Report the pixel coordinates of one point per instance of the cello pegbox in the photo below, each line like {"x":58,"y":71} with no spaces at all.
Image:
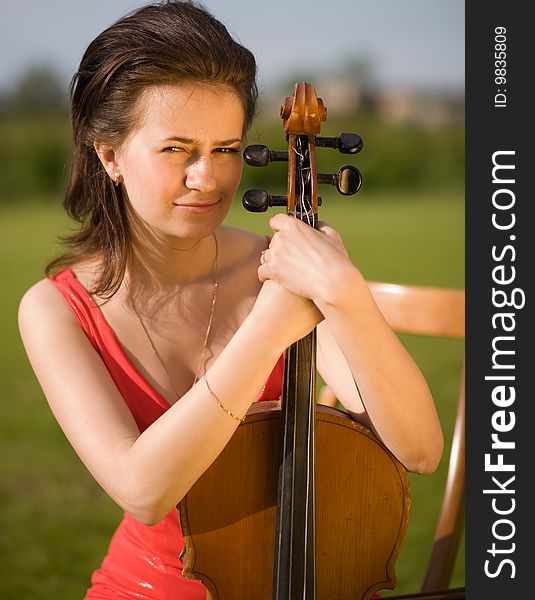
{"x":258,"y":155}
{"x":345,"y":143}
{"x":303,"y":112}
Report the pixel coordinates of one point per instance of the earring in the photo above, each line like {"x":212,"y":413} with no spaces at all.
{"x":116,"y":179}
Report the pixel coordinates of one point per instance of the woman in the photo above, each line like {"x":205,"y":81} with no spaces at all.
{"x":159,"y":327}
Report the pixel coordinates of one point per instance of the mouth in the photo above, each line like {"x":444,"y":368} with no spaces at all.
{"x":197,"y":207}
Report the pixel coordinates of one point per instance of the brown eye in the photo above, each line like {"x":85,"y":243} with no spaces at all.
{"x":228,"y":150}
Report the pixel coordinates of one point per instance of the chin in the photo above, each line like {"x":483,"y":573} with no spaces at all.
{"x":193,"y":231}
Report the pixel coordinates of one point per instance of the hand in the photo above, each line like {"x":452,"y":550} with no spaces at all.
{"x":309,"y":262}
{"x":284,"y":316}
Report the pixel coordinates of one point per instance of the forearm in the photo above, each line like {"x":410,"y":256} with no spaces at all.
{"x":161,"y":465}
{"x":148,"y":473}
{"x":395,"y":394}
{"x":314,"y":264}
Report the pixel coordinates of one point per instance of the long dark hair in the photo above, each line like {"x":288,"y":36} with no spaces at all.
{"x":164,"y":43}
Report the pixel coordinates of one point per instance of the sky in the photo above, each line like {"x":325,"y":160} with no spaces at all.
{"x":410,"y":43}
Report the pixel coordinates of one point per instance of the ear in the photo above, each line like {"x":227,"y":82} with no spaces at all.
{"x":108,"y":158}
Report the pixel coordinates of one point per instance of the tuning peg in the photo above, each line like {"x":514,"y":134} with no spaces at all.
{"x":346,"y":143}
{"x":259,"y":200}
{"x":258,"y":155}
{"x":347,"y":181}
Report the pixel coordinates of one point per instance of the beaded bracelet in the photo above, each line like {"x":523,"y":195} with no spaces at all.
{"x":214,"y":396}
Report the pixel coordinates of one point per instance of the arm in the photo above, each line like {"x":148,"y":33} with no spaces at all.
{"x":359,"y":356}
{"x":148,"y":473}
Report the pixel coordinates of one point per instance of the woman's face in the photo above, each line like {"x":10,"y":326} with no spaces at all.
{"x":182,"y":165}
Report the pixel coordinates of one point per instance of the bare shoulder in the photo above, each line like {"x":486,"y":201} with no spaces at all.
{"x":42,"y":307}
{"x":242,"y":246}
{"x":45,"y":300}
{"x":239,"y":268}
{"x":42,"y":296}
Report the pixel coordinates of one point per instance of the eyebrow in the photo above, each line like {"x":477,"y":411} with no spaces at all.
{"x":182,"y":140}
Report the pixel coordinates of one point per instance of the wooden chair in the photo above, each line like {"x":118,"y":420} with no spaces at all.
{"x":436,"y":312}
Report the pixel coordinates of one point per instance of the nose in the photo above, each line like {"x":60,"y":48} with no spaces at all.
{"x":200,"y":175}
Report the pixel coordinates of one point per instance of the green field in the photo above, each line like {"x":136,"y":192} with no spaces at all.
{"x":55,"y":520}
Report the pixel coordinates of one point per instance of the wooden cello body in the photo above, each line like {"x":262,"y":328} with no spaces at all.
{"x":362,"y":505}
{"x":303,"y":503}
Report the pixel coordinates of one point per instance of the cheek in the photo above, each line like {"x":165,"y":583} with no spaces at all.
{"x":136,"y":171}
{"x":146,"y":179}
{"x":144,"y":193}
{"x":230,"y":176}
{"x":140,"y":188}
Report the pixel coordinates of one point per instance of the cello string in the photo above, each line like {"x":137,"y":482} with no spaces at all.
{"x":304,"y":183}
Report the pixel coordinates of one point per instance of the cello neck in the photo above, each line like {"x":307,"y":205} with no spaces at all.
{"x":294,"y":568}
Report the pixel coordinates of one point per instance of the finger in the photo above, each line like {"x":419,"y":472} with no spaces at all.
{"x":325,"y":228}
{"x":265,"y":256}
{"x":273,"y":240}
{"x":280,"y":221}
{"x":263,"y":273}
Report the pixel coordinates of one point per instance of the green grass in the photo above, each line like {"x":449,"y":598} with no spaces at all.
{"x":55,"y":520}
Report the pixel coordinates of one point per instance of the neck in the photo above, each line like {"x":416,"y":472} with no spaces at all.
{"x":163,"y":280}
{"x":162,"y":262}
{"x":172,"y":262}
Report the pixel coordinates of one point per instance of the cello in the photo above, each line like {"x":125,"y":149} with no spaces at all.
{"x":312,"y":524}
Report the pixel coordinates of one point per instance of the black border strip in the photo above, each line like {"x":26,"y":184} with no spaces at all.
{"x":498,"y":526}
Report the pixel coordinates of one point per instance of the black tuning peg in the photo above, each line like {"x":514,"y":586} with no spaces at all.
{"x":259,"y":200}
{"x":259,"y":155}
{"x":347,"y":181}
{"x":346,"y":143}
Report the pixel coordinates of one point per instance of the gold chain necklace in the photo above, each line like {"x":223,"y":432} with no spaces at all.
{"x":208,"y":329}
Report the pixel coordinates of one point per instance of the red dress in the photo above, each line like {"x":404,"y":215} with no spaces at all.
{"x":142,"y":561}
